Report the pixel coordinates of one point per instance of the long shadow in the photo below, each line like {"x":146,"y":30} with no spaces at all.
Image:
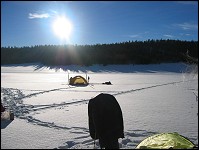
{"x":136,"y":136}
{"x":132,"y":137}
{"x":149,"y":87}
{"x":34,"y":94}
{"x":62,"y":104}
{"x":152,"y":68}
{"x":30,"y":119}
{"x":130,"y":68}
{"x":116,"y":94}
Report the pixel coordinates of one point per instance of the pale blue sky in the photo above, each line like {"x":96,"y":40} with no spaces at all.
{"x":29,"y":23}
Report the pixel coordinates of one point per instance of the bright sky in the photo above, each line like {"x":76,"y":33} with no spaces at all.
{"x":29,"y":23}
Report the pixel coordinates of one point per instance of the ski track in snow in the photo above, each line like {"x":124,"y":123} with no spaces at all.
{"x":13,"y":99}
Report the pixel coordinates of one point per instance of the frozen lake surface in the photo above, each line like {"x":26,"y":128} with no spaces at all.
{"x":51,"y":114}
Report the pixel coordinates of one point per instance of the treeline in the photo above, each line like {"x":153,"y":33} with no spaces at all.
{"x":131,"y":52}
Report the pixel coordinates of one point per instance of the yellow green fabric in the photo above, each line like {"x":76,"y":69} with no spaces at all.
{"x":166,"y":141}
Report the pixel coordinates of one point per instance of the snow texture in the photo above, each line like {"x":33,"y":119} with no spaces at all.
{"x":50,"y":114}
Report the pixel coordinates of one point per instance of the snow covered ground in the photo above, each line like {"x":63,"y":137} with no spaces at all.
{"x":51,"y":114}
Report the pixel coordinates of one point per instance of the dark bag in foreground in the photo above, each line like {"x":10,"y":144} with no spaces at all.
{"x":105,"y":120}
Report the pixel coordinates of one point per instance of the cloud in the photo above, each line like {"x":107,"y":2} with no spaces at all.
{"x":187,"y":26}
{"x":139,"y":35}
{"x":168,"y":35}
{"x":185,"y":34}
{"x":134,"y":36}
{"x":188,"y":2}
{"x":36,"y":15}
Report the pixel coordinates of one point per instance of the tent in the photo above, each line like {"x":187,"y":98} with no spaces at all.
{"x":78,"y":80}
{"x":166,"y":141}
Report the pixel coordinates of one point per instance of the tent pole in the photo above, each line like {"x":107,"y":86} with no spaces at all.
{"x":68,"y":77}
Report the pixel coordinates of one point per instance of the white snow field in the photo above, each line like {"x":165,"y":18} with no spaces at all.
{"x":50,"y":114}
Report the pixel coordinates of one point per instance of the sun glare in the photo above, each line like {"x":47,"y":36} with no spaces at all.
{"x":62,"y":28}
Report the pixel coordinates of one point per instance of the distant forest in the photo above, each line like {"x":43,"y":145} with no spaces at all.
{"x":131,"y":52}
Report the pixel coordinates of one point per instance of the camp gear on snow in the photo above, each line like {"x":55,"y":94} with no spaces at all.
{"x":166,"y":141}
{"x":105,"y":120}
{"x":108,"y":83}
{"x":78,"y":80}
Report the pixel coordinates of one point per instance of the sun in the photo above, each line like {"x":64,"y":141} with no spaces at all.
{"x":62,"y":27}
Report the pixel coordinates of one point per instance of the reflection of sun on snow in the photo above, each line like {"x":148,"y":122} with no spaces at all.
{"x":62,"y":27}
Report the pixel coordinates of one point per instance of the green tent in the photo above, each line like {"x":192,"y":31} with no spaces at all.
{"x":166,"y":141}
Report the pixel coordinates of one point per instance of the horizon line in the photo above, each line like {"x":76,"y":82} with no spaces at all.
{"x":99,"y":43}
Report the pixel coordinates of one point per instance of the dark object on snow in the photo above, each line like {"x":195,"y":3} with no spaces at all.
{"x":108,"y":83}
{"x":2,"y":108}
{"x":105,"y":120}
{"x":11,"y":115}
